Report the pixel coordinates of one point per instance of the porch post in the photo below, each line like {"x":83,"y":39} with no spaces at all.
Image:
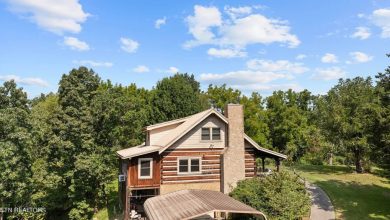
{"x":263,"y":164}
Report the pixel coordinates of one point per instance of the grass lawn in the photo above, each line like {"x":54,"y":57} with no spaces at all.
{"x":110,"y":212}
{"x":355,"y":196}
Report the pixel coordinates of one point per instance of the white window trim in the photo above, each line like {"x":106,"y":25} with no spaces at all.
{"x":151,"y":168}
{"x":211,"y":135}
{"x":189,"y":165}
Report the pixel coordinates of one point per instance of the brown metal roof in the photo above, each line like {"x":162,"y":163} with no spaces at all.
{"x":188,"y":204}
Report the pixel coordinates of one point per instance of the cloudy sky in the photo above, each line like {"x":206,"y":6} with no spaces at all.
{"x":250,"y":45}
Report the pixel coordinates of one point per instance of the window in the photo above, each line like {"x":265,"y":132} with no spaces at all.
{"x":216,"y":134}
{"x":211,"y":134}
{"x":189,"y":165}
{"x":205,"y":133}
{"x":145,"y":166}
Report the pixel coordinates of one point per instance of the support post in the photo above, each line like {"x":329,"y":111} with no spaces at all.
{"x":263,"y":164}
{"x":277,"y":161}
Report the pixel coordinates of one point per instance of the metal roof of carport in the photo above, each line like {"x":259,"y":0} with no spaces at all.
{"x":189,"y":204}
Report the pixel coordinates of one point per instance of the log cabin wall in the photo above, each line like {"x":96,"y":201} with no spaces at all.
{"x":133,"y":178}
{"x":210,"y":166}
{"x":250,"y":161}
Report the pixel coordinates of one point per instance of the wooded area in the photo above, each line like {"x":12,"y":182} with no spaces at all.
{"x":58,"y":150}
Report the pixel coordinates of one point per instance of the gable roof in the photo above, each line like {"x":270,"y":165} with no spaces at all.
{"x":189,"y":204}
{"x":178,"y":132}
{"x":185,"y":125}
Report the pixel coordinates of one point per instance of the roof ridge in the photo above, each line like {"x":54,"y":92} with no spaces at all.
{"x":174,"y":121}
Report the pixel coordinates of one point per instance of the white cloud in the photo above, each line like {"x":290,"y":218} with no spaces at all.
{"x":30,"y":81}
{"x":207,"y":26}
{"x":76,"y":44}
{"x":360,"y":57}
{"x":159,"y":22}
{"x":93,"y":63}
{"x":300,"y":56}
{"x":226,"y":53}
{"x":257,"y":29}
{"x":129,"y":45}
{"x":281,"y":66}
{"x":141,"y":69}
{"x":235,"y":12}
{"x":242,"y":77}
{"x":381,"y":18}
{"x":58,"y":17}
{"x":269,"y":87}
{"x":173,"y":69}
{"x":362,"y":33}
{"x":329,"y":58}
{"x":257,"y":74}
{"x":330,"y":73}
{"x":200,"y":24}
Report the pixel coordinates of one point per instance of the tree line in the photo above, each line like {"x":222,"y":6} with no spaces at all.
{"x":58,"y":150}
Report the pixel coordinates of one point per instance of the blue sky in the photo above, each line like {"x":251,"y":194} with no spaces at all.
{"x":250,"y":45}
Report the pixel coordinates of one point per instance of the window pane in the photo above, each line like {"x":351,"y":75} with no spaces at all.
{"x":145,"y":171}
{"x":205,"y":133}
{"x":216,"y":134}
{"x":145,"y":168}
{"x":145,"y":164}
{"x":183,"y":166}
{"x":195,"y":165}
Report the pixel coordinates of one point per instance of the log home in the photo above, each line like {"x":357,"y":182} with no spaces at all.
{"x":207,"y":151}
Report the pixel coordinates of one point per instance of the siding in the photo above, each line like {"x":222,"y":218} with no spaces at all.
{"x":250,"y":160}
{"x":210,"y":166}
{"x":193,"y":138}
{"x":132,"y":175}
{"x":157,"y":134}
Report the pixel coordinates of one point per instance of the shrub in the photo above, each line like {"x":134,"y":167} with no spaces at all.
{"x":279,"y":196}
{"x":82,"y":211}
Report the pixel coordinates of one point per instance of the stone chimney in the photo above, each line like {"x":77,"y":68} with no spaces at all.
{"x":233,"y":159}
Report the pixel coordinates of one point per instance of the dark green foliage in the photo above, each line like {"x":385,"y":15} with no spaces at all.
{"x":15,"y":148}
{"x":176,"y":97}
{"x":288,"y":122}
{"x":351,"y":110}
{"x":219,"y":96}
{"x":381,"y":140}
{"x":279,"y":196}
{"x":256,"y":119}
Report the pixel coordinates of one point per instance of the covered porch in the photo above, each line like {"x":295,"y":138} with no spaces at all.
{"x":255,"y":156}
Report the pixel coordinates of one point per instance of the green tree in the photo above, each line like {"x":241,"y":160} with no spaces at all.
{"x":352,"y":107}
{"x":280,"y":195}
{"x":256,"y":119}
{"x":15,"y":148}
{"x":381,"y":137}
{"x":219,"y":96}
{"x":176,"y":97}
{"x":288,"y":124}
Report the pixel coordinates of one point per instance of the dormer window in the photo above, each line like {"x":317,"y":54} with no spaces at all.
{"x":205,"y":134}
{"x":216,"y":133}
{"x":211,"y":134}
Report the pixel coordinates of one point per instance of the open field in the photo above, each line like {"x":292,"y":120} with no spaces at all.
{"x":355,"y":196}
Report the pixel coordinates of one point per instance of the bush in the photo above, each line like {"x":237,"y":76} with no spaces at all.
{"x":82,"y":211}
{"x":279,"y":196}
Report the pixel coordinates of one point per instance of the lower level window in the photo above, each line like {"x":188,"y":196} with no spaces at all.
{"x":145,"y":166}
{"x":188,"y":165}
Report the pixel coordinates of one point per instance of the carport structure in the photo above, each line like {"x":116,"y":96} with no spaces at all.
{"x":196,"y":204}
